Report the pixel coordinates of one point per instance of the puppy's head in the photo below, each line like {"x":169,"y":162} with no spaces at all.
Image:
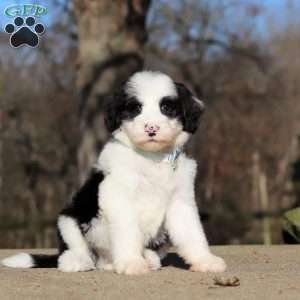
{"x":152,"y":112}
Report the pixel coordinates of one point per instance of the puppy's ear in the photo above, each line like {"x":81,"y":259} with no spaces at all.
{"x":112,"y":109}
{"x":111,"y":118}
{"x":192,"y":108}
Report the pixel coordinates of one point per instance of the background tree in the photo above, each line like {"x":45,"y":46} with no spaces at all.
{"x":111,"y":37}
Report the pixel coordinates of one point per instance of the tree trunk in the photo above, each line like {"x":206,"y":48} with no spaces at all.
{"x":112,"y":34}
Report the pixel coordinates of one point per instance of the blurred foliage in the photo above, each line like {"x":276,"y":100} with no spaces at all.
{"x":291,"y":226}
{"x":251,"y":94}
{"x":295,"y":174}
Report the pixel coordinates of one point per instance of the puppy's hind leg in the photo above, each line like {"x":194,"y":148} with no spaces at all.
{"x":77,"y":256}
{"x":75,"y":253}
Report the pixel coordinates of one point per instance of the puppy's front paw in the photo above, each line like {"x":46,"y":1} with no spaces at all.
{"x":71,"y":261}
{"x":152,"y":259}
{"x":209,"y":263}
{"x":136,"y":266}
{"x":103,"y":264}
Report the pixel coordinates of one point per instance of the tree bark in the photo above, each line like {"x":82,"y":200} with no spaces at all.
{"x":111,"y":36}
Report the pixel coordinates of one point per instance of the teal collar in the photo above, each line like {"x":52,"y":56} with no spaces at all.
{"x":172,"y":157}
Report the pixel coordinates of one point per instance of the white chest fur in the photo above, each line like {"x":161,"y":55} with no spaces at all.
{"x":152,"y":196}
{"x":146,"y":186}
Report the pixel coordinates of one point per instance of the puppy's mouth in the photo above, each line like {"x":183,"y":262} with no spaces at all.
{"x":152,"y":141}
{"x":154,"y":144}
{"x":156,"y":141}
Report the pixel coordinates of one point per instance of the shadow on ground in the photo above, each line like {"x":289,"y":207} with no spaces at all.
{"x":173,"y":260}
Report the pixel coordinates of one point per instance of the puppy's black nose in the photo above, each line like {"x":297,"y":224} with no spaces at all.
{"x":151,"y":129}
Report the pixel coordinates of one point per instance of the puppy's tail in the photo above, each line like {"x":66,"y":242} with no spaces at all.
{"x":25,"y":260}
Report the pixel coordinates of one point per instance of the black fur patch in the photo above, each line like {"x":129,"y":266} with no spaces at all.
{"x":44,"y":260}
{"x":170,"y":107}
{"x":162,"y":239}
{"x":190,"y":109}
{"x":120,"y":107}
{"x":62,"y":246}
{"x":84,"y":205}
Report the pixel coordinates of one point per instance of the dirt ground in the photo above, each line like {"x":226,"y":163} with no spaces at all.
{"x":264,"y":273}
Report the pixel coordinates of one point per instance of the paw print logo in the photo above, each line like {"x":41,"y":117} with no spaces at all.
{"x":24,"y":33}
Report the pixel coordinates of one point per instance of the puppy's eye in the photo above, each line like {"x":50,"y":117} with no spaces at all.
{"x":131,"y":109}
{"x":169,"y":107}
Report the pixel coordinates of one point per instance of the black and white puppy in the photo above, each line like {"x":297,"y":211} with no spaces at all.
{"x":140,"y":195}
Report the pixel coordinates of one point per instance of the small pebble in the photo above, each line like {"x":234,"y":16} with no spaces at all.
{"x":227,"y":281}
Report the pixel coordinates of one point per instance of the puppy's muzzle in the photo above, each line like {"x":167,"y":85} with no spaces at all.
{"x":151,"y":129}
